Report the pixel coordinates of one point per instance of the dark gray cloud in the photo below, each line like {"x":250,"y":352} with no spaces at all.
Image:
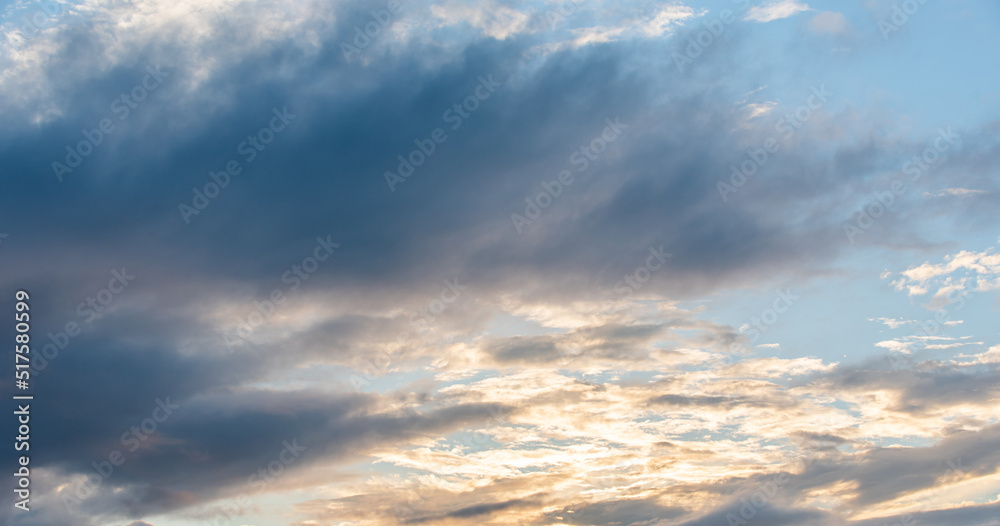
{"x":476,"y":511}
{"x":922,"y":389}
{"x":882,"y":474}
{"x":656,"y":184}
{"x":623,"y":511}
{"x":767,"y":515}
{"x":982,"y":515}
{"x":726,"y":402}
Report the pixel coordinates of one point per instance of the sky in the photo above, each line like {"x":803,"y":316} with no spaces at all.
{"x":503,"y":262}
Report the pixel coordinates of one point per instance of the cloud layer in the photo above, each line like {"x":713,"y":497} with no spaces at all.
{"x":467,"y":263}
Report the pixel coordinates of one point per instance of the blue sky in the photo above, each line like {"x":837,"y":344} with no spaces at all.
{"x":488,"y":262}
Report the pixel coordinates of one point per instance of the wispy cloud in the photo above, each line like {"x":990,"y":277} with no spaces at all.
{"x":775,"y":10}
{"x":955,"y":192}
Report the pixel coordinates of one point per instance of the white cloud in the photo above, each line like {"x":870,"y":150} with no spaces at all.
{"x":666,"y":19}
{"x":775,"y":10}
{"x":186,"y":34}
{"x":663,"y":23}
{"x":991,"y":356}
{"x":895,"y":345}
{"x":954,"y":192}
{"x":493,"y":19}
{"x":893,"y":323}
{"x":755,"y":110}
{"x":979,"y":271}
{"x":941,"y":346}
